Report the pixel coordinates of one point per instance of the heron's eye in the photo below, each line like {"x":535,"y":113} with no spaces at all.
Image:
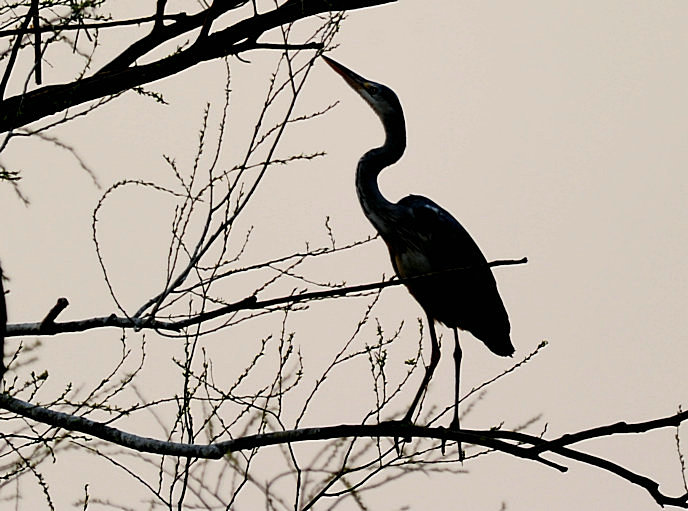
{"x":372,"y":90}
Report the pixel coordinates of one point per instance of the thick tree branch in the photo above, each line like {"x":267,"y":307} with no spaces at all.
{"x":117,"y":76}
{"x":162,"y":33}
{"x":250,"y":303}
{"x":491,"y":439}
{"x":107,"y":433}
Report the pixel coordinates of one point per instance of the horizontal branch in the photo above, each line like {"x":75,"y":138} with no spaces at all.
{"x":250,"y":303}
{"x":94,"y":25}
{"x":612,"y":429}
{"x":491,"y":439}
{"x":391,"y":429}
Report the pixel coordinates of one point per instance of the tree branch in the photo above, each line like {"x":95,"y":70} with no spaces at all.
{"x":95,"y":25}
{"x":37,"y":41}
{"x":612,"y":429}
{"x":117,"y":76}
{"x":49,"y":318}
{"x":491,"y":439}
{"x":250,"y":303}
{"x":3,"y":325}
{"x":13,"y":58}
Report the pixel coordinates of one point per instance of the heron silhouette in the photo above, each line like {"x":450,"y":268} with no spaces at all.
{"x":423,"y":239}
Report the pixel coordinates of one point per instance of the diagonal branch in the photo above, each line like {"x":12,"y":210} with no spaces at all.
{"x":648,"y":484}
{"x":118,"y":76}
{"x":13,"y":58}
{"x":162,"y":33}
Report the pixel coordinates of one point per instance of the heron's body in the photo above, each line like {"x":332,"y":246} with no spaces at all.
{"x":431,"y":241}
{"x":424,"y":239}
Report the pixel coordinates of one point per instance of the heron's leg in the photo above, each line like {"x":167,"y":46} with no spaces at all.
{"x":457,"y":368}
{"x":434,"y":359}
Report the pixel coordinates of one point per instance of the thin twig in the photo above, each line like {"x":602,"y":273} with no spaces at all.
{"x":90,"y":26}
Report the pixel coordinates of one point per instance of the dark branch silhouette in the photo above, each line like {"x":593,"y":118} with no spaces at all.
{"x":251,"y":303}
{"x":119,"y":75}
{"x":3,"y":324}
{"x":95,"y":25}
{"x":493,"y":439}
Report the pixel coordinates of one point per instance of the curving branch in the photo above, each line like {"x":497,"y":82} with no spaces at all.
{"x":508,"y":442}
{"x":121,"y":75}
{"x":251,"y":303}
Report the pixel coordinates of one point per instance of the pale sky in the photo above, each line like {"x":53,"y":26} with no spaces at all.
{"x":552,"y":130}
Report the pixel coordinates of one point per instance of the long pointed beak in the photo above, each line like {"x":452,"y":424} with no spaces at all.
{"x":354,"y":80}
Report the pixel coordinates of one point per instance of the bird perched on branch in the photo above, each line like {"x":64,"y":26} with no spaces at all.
{"x":423,"y":239}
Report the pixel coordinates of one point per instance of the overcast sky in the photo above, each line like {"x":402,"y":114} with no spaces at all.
{"x":552,"y":130}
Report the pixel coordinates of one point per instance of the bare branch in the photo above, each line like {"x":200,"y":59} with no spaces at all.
{"x":13,"y":57}
{"x":118,"y":76}
{"x":612,"y":429}
{"x":3,"y":325}
{"x":95,"y":25}
{"x":249,"y":303}
{"x":59,"y":306}
{"x":37,"y":41}
{"x":492,"y":439}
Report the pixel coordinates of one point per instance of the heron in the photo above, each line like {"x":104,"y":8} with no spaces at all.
{"x":457,"y":287}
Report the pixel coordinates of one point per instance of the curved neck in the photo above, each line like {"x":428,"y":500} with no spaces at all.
{"x":377,"y":209}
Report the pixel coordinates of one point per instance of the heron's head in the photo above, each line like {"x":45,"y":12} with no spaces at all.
{"x":381,"y":98}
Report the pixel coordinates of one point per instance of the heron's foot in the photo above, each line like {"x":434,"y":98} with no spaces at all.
{"x":454,"y":426}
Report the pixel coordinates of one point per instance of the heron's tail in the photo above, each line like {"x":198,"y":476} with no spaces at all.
{"x":500,"y":345}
